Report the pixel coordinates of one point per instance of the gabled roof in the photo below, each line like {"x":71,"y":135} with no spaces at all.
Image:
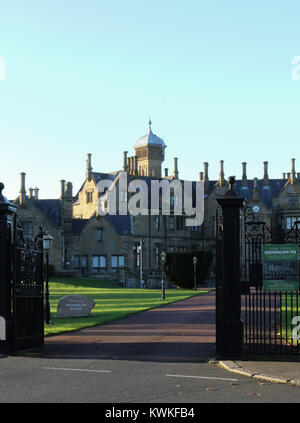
{"x":51,"y":208}
{"x":78,"y":225}
{"x":122,"y":224}
{"x":97,"y":176}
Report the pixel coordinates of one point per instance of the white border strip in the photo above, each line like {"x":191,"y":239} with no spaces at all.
{"x":77,"y":370}
{"x":204,"y":377}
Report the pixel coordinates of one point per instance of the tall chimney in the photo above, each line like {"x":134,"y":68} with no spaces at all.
{"x":176,"y":173}
{"x":283,"y":175}
{"x":221,"y":180}
{"x":205,"y":177}
{"x":22,"y":197}
{"x":293,"y":173}
{"x":30,"y":192}
{"x":255,"y":190}
{"x":128,"y":164}
{"x":36,"y":193}
{"x":125,"y":167}
{"x":201,"y":176}
{"x":266,"y":175}
{"x":136,"y":165}
{"x":89,"y":168}
{"x":244,"y":177}
{"x":67,"y":207}
{"x":62,"y":189}
{"x":131,"y":165}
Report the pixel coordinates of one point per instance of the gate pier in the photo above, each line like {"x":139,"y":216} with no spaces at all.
{"x":230,"y":325}
{"x":7,"y":213}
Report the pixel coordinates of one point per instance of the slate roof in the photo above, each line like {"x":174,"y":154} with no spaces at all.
{"x":122,"y":224}
{"x":78,"y":225}
{"x":265,"y":193}
{"x":51,"y":208}
{"x":98,"y":176}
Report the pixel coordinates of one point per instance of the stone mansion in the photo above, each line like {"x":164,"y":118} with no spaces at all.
{"x":128,"y":248}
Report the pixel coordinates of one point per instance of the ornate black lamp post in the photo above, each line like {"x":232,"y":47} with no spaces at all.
{"x":163,"y":261}
{"x":47,"y":242}
{"x":195,"y":260}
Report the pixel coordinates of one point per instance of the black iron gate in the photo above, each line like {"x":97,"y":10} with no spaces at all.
{"x":270,"y":319}
{"x":27,"y":291}
{"x":262,"y":322}
{"x":21,"y":284}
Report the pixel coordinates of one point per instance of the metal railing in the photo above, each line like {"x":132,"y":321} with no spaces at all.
{"x":270,"y":322}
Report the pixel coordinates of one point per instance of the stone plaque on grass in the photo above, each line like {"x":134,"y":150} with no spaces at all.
{"x":75,"y":306}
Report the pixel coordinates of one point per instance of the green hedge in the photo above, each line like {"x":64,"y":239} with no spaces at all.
{"x":180,"y":268}
{"x":51,"y":270}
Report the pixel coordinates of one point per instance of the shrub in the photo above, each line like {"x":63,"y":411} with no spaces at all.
{"x":180,"y":268}
{"x":51,"y":270}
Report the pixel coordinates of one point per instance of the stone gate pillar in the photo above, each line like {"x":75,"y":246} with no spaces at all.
{"x":7,"y":213}
{"x":230,"y":331}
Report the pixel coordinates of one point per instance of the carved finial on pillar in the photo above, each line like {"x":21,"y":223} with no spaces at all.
{"x":231,"y":192}
{"x":2,"y":200}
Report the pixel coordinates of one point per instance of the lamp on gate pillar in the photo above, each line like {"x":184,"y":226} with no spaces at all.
{"x":231,"y":326}
{"x":195,"y":260}
{"x":47,"y":243}
{"x":163,"y":261}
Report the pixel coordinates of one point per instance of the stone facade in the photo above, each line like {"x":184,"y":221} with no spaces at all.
{"x":89,"y":243}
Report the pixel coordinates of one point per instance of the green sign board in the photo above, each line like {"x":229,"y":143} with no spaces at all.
{"x":280,"y":267}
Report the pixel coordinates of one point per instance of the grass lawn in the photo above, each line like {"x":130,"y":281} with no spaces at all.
{"x":111,"y":302}
{"x":290,"y":307}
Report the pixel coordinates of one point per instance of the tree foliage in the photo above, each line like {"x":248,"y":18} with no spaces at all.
{"x":180,"y":268}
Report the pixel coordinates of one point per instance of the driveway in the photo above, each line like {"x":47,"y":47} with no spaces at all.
{"x":178,"y":332}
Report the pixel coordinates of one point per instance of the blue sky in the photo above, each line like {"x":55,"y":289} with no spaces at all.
{"x":84,"y":76}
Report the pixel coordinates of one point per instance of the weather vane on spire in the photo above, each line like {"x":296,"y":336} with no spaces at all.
{"x":150,"y":122}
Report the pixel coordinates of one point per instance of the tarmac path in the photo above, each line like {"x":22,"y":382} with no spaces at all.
{"x":178,"y":332}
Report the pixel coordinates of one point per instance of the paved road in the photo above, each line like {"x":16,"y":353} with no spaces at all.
{"x":159,"y":356}
{"x":38,"y":380}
